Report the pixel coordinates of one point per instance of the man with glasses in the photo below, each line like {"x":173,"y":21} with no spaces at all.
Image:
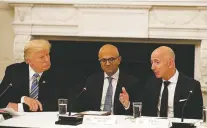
{"x":107,"y":91}
{"x":32,"y":83}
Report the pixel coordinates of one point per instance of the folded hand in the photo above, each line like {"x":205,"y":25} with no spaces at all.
{"x":13,"y":105}
{"x":32,"y":103}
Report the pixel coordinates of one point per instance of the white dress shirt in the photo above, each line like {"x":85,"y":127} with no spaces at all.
{"x":31,"y":73}
{"x":171,"y":91}
{"x":115,"y":78}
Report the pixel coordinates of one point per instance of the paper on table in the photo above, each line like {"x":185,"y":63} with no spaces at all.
{"x":99,"y":120}
{"x":94,"y":113}
{"x":153,"y":123}
{"x":11,"y":111}
{"x":1,"y":118}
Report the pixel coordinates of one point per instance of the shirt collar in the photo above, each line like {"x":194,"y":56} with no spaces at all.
{"x":174,"y":78}
{"x":115,"y":76}
{"x":32,"y":72}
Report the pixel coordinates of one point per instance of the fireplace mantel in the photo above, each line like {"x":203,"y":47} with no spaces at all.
{"x":141,"y":19}
{"x":115,"y":2}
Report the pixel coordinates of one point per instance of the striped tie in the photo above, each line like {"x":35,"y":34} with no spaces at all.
{"x":108,"y":98}
{"x":35,"y":87}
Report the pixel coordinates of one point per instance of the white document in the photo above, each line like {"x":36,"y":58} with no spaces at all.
{"x":94,"y":112}
{"x":11,"y":111}
{"x":100,"y":120}
{"x":153,"y":123}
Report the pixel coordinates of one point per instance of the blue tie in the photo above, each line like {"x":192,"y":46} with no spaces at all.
{"x":35,"y":88}
{"x":108,"y":98}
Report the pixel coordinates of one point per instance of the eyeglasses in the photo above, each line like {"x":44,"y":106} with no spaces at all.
{"x":110,"y":60}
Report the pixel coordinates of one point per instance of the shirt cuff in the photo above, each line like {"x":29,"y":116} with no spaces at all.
{"x":20,"y":107}
{"x":127,"y":107}
{"x":22,"y":99}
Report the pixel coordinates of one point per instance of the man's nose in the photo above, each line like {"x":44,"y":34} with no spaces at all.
{"x":107,"y":62}
{"x":47,"y":58}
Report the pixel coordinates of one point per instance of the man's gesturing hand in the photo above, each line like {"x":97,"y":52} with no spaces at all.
{"x":124,"y":98}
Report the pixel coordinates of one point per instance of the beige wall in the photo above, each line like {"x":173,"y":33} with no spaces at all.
{"x":6,"y":37}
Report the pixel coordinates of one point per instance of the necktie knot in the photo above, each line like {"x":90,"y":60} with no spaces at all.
{"x":166,"y":83}
{"x":109,"y":79}
{"x":36,"y":75}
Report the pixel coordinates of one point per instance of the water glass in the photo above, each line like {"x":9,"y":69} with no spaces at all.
{"x":137,"y":109}
{"x":204,"y":122}
{"x":62,"y":106}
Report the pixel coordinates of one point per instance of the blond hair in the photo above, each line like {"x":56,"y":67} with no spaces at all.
{"x":35,"y":46}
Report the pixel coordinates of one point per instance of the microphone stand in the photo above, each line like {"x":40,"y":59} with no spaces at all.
{"x":190,"y":92}
{"x":5,"y":114}
{"x":182,"y":124}
{"x":10,"y":85}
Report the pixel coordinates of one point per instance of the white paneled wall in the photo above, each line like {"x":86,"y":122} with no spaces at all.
{"x":6,"y":37}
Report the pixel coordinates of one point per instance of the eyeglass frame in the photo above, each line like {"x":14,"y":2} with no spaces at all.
{"x":110,"y":61}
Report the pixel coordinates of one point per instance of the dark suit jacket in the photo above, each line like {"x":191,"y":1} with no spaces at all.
{"x":94,"y":90}
{"x":18,"y":75}
{"x":185,"y":84}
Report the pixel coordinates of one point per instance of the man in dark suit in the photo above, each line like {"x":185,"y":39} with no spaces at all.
{"x":34,"y":83}
{"x":166,"y":94}
{"x":106,"y":91}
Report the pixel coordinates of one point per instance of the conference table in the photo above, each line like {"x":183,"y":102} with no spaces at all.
{"x":47,"y":120}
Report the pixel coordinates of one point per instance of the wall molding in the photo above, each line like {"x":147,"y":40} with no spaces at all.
{"x":162,"y":20}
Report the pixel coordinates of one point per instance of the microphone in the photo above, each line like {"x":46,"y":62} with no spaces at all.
{"x":182,"y":124}
{"x":190,"y":92}
{"x":5,"y":90}
{"x":83,"y":90}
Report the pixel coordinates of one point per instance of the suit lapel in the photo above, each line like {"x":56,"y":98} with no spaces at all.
{"x":44,"y":78}
{"x":118,"y":88}
{"x":24,"y":80}
{"x":99,"y":88}
{"x":120,"y":84}
{"x":178,"y":90}
{"x":157,"y":88}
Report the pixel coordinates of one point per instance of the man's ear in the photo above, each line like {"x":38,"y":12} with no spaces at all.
{"x":27,"y":61}
{"x":119,"y":58}
{"x":171,"y":63}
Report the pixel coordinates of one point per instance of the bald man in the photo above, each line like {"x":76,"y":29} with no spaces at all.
{"x":107,"y":90}
{"x":166,"y":94}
